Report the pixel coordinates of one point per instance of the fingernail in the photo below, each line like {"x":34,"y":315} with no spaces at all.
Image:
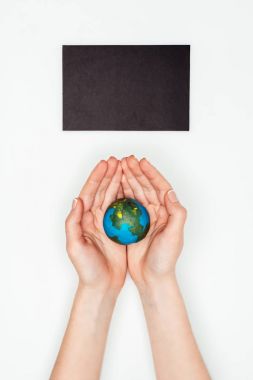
{"x":74,"y":203}
{"x":172,"y":196}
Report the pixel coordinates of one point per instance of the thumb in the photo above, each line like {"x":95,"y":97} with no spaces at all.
{"x":176,"y":212}
{"x":73,"y":221}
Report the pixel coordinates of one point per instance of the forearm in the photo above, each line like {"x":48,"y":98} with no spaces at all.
{"x":81,"y":352}
{"x":175,"y":352}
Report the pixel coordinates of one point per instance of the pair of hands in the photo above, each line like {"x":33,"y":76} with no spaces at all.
{"x":101,"y":263}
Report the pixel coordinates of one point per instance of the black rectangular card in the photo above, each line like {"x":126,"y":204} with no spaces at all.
{"x":126,"y":87}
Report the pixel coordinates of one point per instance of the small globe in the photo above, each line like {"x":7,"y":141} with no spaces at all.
{"x":126,"y":221}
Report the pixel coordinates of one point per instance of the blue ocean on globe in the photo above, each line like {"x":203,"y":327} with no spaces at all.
{"x":126,"y":221}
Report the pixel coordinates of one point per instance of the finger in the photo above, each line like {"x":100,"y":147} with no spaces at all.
{"x":73,"y":222}
{"x":100,"y":193}
{"x":113,"y":188}
{"x":177,"y":213}
{"x":120,"y":191}
{"x":156,"y":179}
{"x":146,"y":185}
{"x":128,"y":192}
{"x":89,"y":189}
{"x":152,"y":215}
{"x":133,"y":183}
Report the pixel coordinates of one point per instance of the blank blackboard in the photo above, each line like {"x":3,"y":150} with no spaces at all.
{"x":126,"y":87}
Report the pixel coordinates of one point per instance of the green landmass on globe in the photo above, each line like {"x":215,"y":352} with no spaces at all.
{"x":126,"y":221}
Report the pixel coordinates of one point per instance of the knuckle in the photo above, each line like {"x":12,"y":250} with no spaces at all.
{"x":153,"y":221}
{"x":70,"y":249}
{"x":93,"y":209}
{"x":182,"y":212}
{"x":67,"y":223}
{"x":96,"y":223}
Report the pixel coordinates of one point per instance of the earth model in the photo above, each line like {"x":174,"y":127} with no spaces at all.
{"x":126,"y":221}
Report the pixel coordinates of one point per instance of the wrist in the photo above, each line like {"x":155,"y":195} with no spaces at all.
{"x":92,"y":306}
{"x":106,"y":285}
{"x":97,"y":293}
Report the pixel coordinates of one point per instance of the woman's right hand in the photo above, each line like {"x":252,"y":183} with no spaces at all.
{"x":99,"y":262}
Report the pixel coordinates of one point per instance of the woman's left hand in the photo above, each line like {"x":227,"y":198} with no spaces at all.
{"x":153,"y":258}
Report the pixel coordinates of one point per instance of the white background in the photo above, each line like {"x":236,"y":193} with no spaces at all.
{"x":43,"y":168}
